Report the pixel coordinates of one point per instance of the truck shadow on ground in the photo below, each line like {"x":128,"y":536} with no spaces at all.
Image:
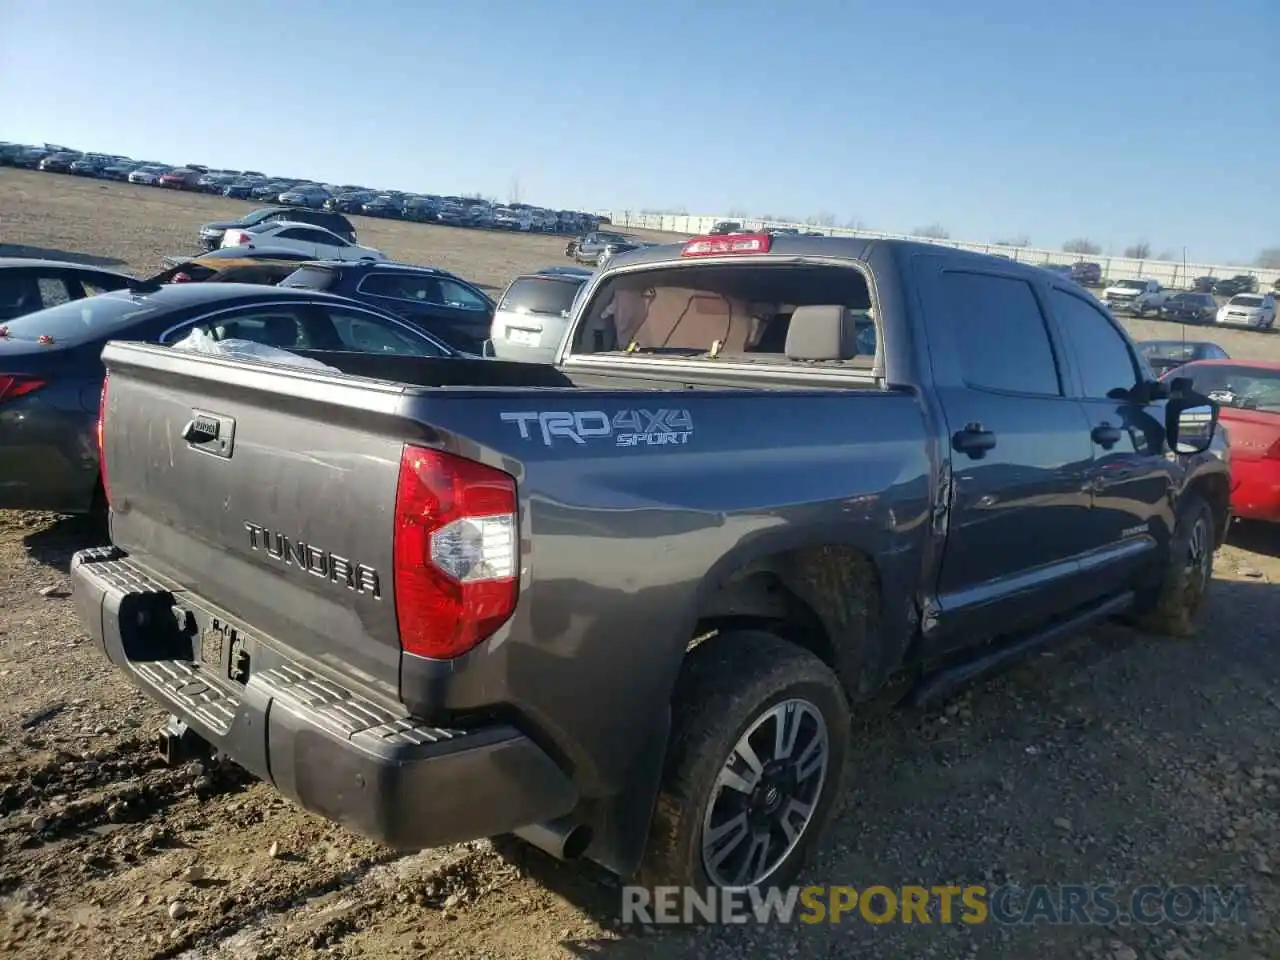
{"x":1256,"y":536}
{"x":54,"y":544}
{"x":50,"y":253}
{"x":1081,"y":765}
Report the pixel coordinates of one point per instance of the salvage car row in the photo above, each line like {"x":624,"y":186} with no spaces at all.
{"x":1142,"y":298}
{"x":301,"y":193}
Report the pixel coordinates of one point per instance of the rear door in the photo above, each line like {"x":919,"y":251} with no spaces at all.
{"x":304,"y":239}
{"x":1131,"y":485}
{"x":1020,"y":452}
{"x":441,"y":306}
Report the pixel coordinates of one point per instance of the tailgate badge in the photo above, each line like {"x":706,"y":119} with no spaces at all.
{"x":210,"y":433}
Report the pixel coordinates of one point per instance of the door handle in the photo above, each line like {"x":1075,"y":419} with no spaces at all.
{"x":1106,"y":436}
{"x":973,"y":440}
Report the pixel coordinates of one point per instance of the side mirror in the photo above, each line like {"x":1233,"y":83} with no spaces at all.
{"x":1190,"y":423}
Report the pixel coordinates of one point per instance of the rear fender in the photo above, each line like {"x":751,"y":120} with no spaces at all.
{"x":831,"y":570}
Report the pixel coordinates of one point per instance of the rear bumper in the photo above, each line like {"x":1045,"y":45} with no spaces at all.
{"x":338,"y":753}
{"x":504,"y":350}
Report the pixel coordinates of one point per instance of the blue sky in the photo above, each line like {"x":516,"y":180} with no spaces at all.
{"x":1115,"y":121}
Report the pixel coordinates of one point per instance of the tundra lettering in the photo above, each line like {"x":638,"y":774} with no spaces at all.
{"x":317,"y":562}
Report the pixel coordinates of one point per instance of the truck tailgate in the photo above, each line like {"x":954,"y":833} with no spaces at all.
{"x":284,"y":519}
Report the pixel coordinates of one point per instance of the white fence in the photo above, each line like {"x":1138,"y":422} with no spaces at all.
{"x":1170,"y":273}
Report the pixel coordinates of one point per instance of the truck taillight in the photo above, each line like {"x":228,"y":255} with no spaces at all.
{"x":181,"y":278}
{"x":456,"y":553}
{"x":714,"y":246}
{"x":102,"y":446}
{"x":243,"y":240}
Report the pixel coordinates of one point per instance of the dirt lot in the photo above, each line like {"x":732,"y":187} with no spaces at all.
{"x":1120,"y":759}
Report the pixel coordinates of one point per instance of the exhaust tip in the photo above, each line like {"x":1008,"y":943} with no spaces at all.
{"x":563,"y":838}
{"x":576,"y":842}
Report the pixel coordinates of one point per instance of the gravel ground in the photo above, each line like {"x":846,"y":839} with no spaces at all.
{"x":1117,"y":759}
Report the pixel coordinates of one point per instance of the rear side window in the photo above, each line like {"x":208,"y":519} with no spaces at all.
{"x":54,"y":291}
{"x":311,"y":278}
{"x":1001,"y":334}
{"x":272,"y":327}
{"x":419,"y":288}
{"x":366,"y":334}
{"x":541,"y":297}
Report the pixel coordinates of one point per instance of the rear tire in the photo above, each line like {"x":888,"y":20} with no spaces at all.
{"x":1187,"y":575}
{"x":754,"y":767}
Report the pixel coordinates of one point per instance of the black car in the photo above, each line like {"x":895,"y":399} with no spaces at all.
{"x":28,"y":285}
{"x":211,"y":233}
{"x":1165,"y":355}
{"x":1190,"y":307}
{"x":1240,"y":283}
{"x":1204,"y":284}
{"x":382,"y":207}
{"x":348,"y":202}
{"x":52,"y":363}
{"x":447,"y":306}
{"x":588,"y":247}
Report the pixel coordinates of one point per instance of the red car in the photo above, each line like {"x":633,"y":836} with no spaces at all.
{"x":180,"y":179}
{"x":1248,"y":396}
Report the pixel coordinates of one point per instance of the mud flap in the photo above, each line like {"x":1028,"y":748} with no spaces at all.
{"x":620,"y":824}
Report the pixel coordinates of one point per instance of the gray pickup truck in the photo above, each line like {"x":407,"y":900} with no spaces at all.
{"x":623,"y":605}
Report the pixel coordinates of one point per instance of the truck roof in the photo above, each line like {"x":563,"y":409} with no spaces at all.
{"x":788,"y":245}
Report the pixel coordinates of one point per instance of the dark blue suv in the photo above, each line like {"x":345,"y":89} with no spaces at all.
{"x":442,"y":304}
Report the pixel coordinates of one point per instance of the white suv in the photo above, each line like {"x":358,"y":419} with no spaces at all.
{"x":533,"y":313}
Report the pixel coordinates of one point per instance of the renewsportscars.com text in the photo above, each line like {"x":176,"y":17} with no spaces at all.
{"x":1092,"y":905}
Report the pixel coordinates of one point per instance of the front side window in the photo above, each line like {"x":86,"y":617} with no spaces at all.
{"x":1101,"y":352}
{"x":456,"y":295}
